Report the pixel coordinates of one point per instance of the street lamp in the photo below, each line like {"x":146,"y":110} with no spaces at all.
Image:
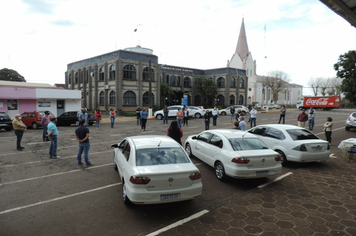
{"x":149,"y":90}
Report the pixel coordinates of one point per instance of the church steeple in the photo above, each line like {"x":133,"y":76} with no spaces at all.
{"x":242,"y":48}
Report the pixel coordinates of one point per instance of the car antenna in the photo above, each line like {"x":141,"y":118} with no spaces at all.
{"x":244,"y":134}
{"x":159,"y":144}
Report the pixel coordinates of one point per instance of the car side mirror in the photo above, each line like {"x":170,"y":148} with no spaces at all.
{"x":194,"y":137}
{"x":114,"y":145}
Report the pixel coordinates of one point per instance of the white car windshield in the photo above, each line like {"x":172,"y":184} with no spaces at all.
{"x":160,"y":156}
{"x":301,"y":134}
{"x":243,"y":144}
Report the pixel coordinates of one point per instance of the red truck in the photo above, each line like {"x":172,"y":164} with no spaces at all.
{"x":323,"y":102}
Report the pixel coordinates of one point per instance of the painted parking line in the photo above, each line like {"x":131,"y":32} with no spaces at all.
{"x":275,"y":180}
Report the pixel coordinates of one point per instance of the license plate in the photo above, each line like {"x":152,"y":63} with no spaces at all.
{"x":166,"y":197}
{"x":258,"y":173}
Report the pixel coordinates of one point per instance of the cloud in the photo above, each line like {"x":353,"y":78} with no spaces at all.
{"x":65,"y":23}
{"x":40,"y":6}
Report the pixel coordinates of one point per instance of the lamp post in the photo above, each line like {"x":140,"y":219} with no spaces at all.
{"x":149,"y":90}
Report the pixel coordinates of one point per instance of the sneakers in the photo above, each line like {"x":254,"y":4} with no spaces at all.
{"x":80,"y":163}
{"x":57,"y":157}
{"x":20,"y":149}
{"x":89,"y":164}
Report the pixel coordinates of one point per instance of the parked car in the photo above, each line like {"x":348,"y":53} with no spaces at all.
{"x":234,"y":153}
{"x":271,"y":106}
{"x":172,"y":112}
{"x":196,"y":112}
{"x":293,"y":143}
{"x":5,"y":121}
{"x":33,"y":119}
{"x":350,"y":121}
{"x":226,"y":111}
{"x":155,"y":169}
{"x":70,"y":117}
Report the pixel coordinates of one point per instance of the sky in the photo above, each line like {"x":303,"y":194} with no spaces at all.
{"x":303,"y":38}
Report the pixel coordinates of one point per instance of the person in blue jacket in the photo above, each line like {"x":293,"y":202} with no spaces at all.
{"x":143,"y":117}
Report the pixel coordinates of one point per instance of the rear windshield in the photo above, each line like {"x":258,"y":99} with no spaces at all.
{"x":301,"y":134}
{"x":160,"y":156}
{"x":41,"y":114}
{"x":3,"y":115}
{"x":243,"y":144}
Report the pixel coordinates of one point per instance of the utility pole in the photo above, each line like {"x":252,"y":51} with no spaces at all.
{"x":149,"y":90}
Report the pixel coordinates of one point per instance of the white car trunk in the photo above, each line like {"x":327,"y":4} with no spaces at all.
{"x":260,"y":158}
{"x":313,"y":145}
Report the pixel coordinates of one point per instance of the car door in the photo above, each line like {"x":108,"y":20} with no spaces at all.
{"x":273,"y":138}
{"x":24,"y":118}
{"x":213,"y":149}
{"x":172,"y":111}
{"x":72,"y":118}
{"x":122,"y":155}
{"x":201,"y":144}
{"x":63,"y":119}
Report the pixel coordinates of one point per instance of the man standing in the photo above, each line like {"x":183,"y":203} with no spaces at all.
{"x":84,"y":115}
{"x":82,"y":135}
{"x":232,"y":113}
{"x":253,"y":114}
{"x":138,"y":115}
{"x":179,"y":118}
{"x":53,"y":137}
{"x":165,"y":115}
{"x":311,"y":116}
{"x":19,"y":128}
{"x":44,"y":122}
{"x":302,"y":118}
{"x":215,"y":113}
{"x":242,"y":123}
{"x":207,"y":119}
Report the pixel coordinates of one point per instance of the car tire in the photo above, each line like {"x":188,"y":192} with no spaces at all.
{"x":159,"y":117}
{"x":125,"y":198}
{"x":347,"y":128}
{"x":115,"y":167}
{"x":8,"y":129}
{"x":188,"y":149}
{"x":220,"y":171}
{"x":34,"y":126}
{"x":197,"y":115}
{"x":223,"y":113}
{"x":284,"y":158}
{"x":243,"y":113}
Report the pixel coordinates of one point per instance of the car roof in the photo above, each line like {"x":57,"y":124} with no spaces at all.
{"x":231,"y":133}
{"x":153,"y":141}
{"x":281,"y":126}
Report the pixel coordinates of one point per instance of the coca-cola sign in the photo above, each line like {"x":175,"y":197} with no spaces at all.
{"x":317,"y":102}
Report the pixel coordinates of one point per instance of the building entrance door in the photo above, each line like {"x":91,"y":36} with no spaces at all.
{"x":60,"y":107}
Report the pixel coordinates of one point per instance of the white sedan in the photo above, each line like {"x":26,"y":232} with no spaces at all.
{"x":293,"y":143}
{"x":226,"y":111}
{"x":155,"y":169}
{"x":234,"y":153}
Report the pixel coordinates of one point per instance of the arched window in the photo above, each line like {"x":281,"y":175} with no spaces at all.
{"x":129,"y":98}
{"x":81,"y":77}
{"x":187,"y":82}
{"x":146,"y":74}
{"x":129,"y":72}
{"x":232,"y":100}
{"x":76,"y":77}
{"x":197,"y":100}
{"x":101,"y":98}
{"x":112,"y":72}
{"x":172,"y":80}
{"x":112,"y":98}
{"x":101,"y":74}
{"x":221,"y":82}
{"x":178,"y":80}
{"x":87,"y":76}
{"x":145,"y":99}
{"x":241,"y":100}
{"x":232,"y":82}
{"x":242,"y":83}
{"x":70,"y":79}
{"x":220,"y":100}
{"x":189,"y":100}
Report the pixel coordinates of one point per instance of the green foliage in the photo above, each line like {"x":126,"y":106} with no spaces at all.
{"x":11,"y":75}
{"x":206,"y":88}
{"x":166,"y":91}
{"x":346,"y":70}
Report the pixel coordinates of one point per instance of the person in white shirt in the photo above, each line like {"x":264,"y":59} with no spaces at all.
{"x":253,"y":114}
{"x":242,"y":123}
{"x":311,"y":116}
{"x":215,"y":113}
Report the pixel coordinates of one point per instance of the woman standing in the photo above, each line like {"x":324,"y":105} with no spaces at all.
{"x":215,"y":113}
{"x":179,"y":117}
{"x":311,"y":116}
{"x":175,"y":132}
{"x":207,"y":119}
{"x":97,"y":118}
{"x":328,"y":128}
{"x":144,"y":116}
{"x":112,"y":117}
{"x":283,"y":114}
{"x":185,"y":117}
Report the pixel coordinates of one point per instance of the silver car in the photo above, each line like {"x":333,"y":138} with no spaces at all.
{"x":350,"y":121}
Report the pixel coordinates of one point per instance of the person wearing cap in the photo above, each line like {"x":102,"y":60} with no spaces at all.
{"x":19,"y":128}
{"x":53,"y":137}
{"x":44,"y":122}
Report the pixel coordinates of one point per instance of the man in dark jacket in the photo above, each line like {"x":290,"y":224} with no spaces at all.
{"x":302,"y":118}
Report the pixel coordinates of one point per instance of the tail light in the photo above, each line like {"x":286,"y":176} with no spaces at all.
{"x":278,"y":158}
{"x":139,"y":180}
{"x":240,"y":160}
{"x":349,"y":118}
{"x":194,"y":176}
{"x":301,"y":148}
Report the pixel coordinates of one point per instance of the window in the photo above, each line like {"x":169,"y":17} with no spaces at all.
{"x":242,"y":83}
{"x":241,"y":100}
{"x":187,"y":82}
{"x":178,"y":81}
{"x":189,"y":100}
{"x":76,"y":77}
{"x":86,"y":76}
{"x":112,"y":72}
{"x":258,"y":131}
{"x":101,"y":74}
{"x":129,"y":72}
{"x":129,"y":98}
{"x":221,"y":82}
{"x":172,"y":80}
{"x":112,"y":98}
{"x":160,"y":156}
{"x":101,"y":98}
{"x":216,"y":141}
{"x":273,"y":133}
{"x":232,"y":82}
{"x":220,"y":100}
{"x":70,"y":79}
{"x":197,"y":100}
{"x":204,"y":137}
{"x":24,"y":115}
{"x":81,"y":77}
{"x":127,"y":151}
{"x":146,"y":74}
{"x":145,"y":99}
{"x":232,"y":99}
{"x":243,"y":144}
{"x":301,"y":134}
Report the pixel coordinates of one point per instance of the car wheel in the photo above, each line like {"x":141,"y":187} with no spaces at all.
{"x":347,"y":128}
{"x":284,"y":158}
{"x":220,"y":171}
{"x":243,"y":113}
{"x":188,"y":149}
{"x":197,"y":115}
{"x":223,"y":113}
{"x":34,"y":125}
{"x":8,"y":129}
{"x":77,"y":123}
{"x":124,"y":195}
{"x":115,"y":166}
{"x":159,"y":117}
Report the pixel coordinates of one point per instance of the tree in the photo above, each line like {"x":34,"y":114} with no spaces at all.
{"x":206,"y":88}
{"x":166,"y":91}
{"x":276,"y":81}
{"x":334,"y":86}
{"x":346,"y":70}
{"x":324,"y":84}
{"x":314,"y":84}
{"x":11,"y":75}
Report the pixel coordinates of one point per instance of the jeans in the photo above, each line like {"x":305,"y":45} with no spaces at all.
{"x":185,"y":121}
{"x":280,"y":118}
{"x":232,"y":117}
{"x":97,"y":123}
{"x":207,"y":123}
{"x":112,"y":121}
{"x":83,"y":147}
{"x":138,"y":120}
{"x":252,"y":121}
{"x":328,"y":136}
{"x":165,"y":118}
{"x":53,"y":146}
{"x":44,"y":133}
{"x":19,"y":134}
{"x":214,"y":119}
{"x":143,"y":123}
{"x":179,"y":123}
{"x":311,"y":124}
